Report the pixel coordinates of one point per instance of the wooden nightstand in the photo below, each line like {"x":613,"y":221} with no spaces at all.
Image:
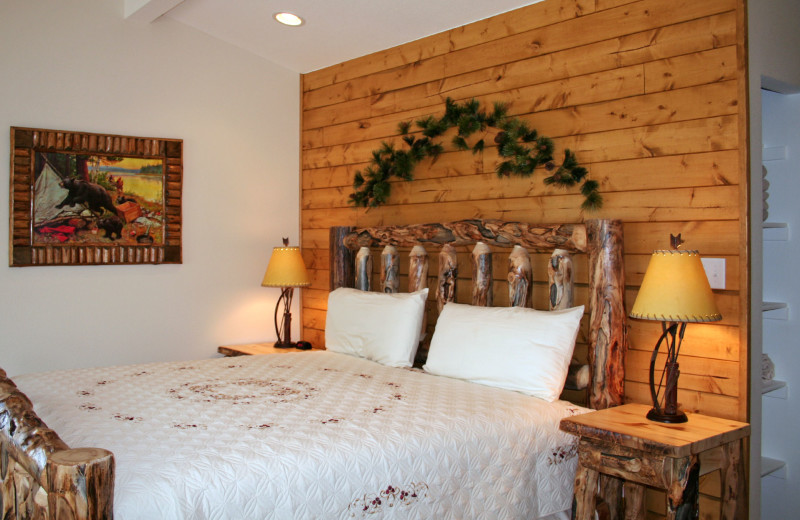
{"x":254,"y":349}
{"x":622,"y":443}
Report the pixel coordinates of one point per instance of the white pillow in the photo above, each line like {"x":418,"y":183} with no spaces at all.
{"x":508,"y":347}
{"x":382,"y":327}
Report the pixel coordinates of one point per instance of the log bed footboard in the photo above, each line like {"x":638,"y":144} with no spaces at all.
{"x":42,"y":478}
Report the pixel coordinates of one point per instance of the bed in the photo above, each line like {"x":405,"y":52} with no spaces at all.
{"x":343,"y":433}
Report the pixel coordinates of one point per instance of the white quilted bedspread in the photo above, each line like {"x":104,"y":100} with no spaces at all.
{"x":311,"y":435}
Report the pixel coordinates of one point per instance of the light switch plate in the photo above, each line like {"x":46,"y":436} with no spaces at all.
{"x":715,"y":271}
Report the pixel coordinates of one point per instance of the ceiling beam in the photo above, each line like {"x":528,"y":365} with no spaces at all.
{"x":148,"y":10}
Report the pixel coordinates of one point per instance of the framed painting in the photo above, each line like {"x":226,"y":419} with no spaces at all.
{"x":80,"y":198}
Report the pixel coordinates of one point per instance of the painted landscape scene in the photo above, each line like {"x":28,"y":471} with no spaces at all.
{"x":98,"y":199}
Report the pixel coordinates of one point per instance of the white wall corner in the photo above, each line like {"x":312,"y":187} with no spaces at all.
{"x":148,"y":10}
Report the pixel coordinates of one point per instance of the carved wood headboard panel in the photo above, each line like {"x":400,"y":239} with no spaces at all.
{"x":600,"y":240}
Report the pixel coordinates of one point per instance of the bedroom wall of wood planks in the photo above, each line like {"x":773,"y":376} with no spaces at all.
{"x":650,"y":94}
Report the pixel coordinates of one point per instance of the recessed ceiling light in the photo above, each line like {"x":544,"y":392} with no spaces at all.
{"x":289,"y":19}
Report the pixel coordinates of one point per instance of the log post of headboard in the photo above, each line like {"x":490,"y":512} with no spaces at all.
{"x":607,"y":325}
{"x":482,"y":275}
{"x":363,"y":278}
{"x":390,"y":270}
{"x":520,"y":277}
{"x":608,"y":334}
{"x":341,"y":265}
{"x":600,"y":240}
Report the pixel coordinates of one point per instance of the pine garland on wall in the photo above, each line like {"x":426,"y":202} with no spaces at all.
{"x":520,"y":147}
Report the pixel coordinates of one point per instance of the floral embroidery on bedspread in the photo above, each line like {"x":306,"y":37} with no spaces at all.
{"x":244,"y":391}
{"x":392,"y":496}
{"x":190,"y":426}
{"x":257,"y":426}
{"x":240,"y":391}
{"x":121,"y":417}
{"x":562,"y":454}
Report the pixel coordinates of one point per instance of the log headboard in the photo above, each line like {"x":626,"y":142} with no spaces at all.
{"x":600,"y":240}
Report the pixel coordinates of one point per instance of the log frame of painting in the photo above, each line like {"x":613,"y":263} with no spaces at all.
{"x":80,"y":198}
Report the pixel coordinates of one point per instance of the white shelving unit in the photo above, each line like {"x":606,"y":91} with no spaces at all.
{"x":779,"y":406}
{"x":775,"y":310}
{"x":776,"y":231}
{"x":774,"y":389}
{"x":773,"y":467}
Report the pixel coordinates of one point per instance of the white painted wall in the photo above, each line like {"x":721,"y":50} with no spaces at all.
{"x":781,"y":417}
{"x":79,"y":65}
{"x":775,"y":43}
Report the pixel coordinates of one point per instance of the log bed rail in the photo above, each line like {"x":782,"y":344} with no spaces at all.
{"x":601,"y":240}
{"x":42,"y":478}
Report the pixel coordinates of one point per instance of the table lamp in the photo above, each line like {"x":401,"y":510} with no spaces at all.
{"x":675,"y":291}
{"x":287,"y":271}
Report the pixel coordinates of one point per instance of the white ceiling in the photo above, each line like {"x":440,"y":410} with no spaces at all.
{"x":334,"y":30}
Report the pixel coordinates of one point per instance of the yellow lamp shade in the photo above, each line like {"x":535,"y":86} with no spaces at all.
{"x":286,"y":269}
{"x":675,"y":288}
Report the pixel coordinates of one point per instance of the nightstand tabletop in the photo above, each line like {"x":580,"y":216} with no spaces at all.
{"x":627,"y":425}
{"x":254,"y":349}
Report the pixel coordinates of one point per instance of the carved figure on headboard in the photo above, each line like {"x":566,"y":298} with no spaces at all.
{"x":559,"y":270}
{"x":448,"y":272}
{"x":519,"y":277}
{"x":447,"y":287}
{"x":94,"y":196}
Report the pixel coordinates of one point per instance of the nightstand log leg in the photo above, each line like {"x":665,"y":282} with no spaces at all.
{"x":634,"y":501}
{"x":684,"y":490}
{"x":734,"y":495}
{"x":585,"y":493}
{"x":611,"y":493}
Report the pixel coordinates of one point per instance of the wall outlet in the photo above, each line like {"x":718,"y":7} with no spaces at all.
{"x":715,"y":271}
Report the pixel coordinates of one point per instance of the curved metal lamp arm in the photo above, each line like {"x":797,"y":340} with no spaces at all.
{"x":666,"y":330}
{"x":283,"y":328}
{"x":669,"y":413}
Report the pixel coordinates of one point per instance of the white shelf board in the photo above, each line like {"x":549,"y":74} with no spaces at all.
{"x":773,"y":153}
{"x":776,"y":231}
{"x":775,"y":389}
{"x":775,"y":310}
{"x":773,"y":467}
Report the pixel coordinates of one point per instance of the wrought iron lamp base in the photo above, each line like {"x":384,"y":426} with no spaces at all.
{"x":664,"y":417}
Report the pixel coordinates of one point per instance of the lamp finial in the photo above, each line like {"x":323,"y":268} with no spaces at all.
{"x":286,"y":241}
{"x":675,"y":241}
